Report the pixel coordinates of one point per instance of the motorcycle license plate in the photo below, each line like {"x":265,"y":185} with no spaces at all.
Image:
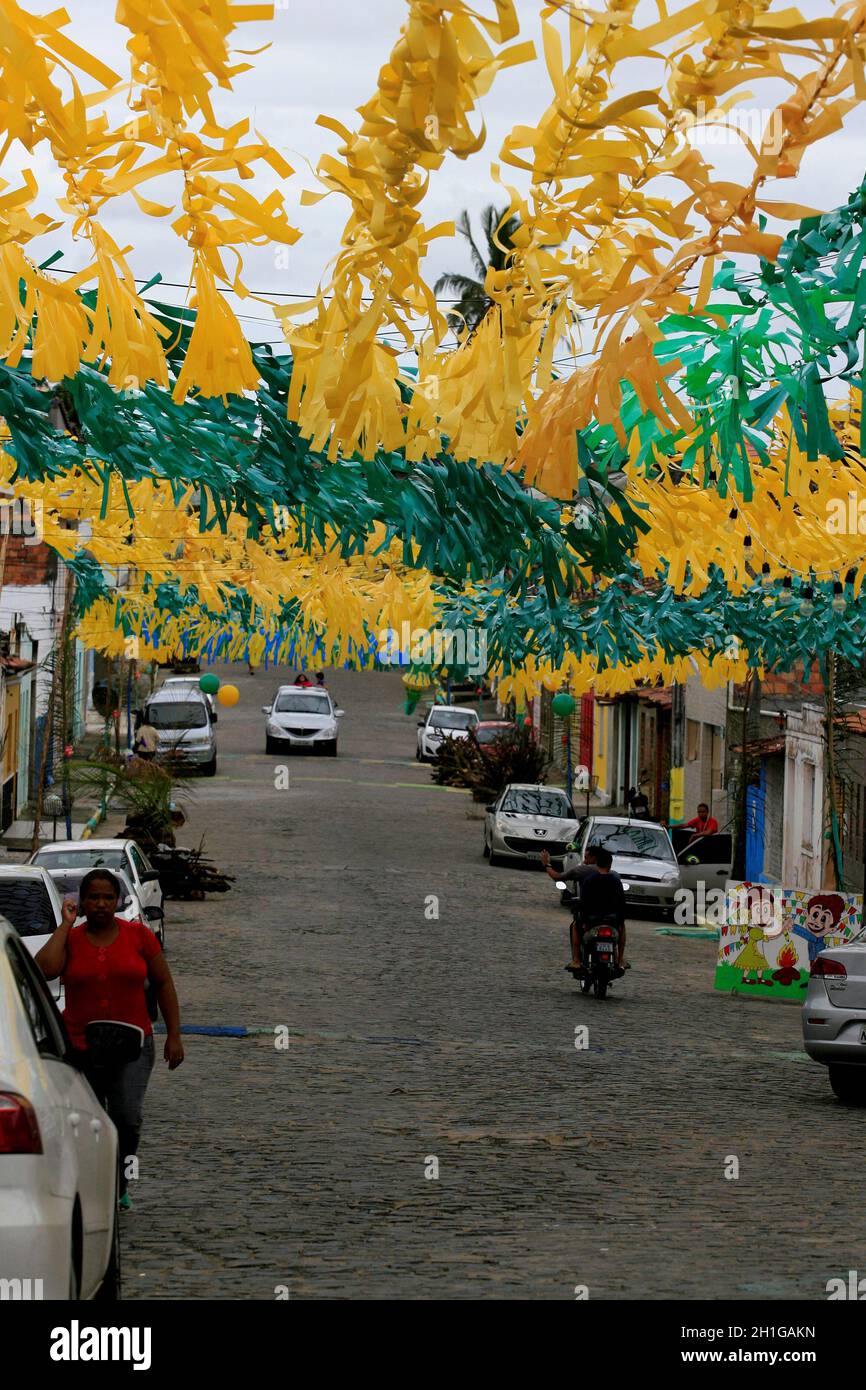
{"x":604,"y":947}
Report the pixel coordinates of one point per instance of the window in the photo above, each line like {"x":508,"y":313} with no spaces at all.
{"x":538,"y":803}
{"x":82,"y":859}
{"x":717,"y":756}
{"x":452,"y":719}
{"x":808,"y":805}
{"x":44,"y":1025}
{"x":632,"y":841}
{"x":289,"y":703}
{"x":693,"y":740}
{"x":177,"y":714}
{"x":141,"y":866}
{"x":25,"y":903}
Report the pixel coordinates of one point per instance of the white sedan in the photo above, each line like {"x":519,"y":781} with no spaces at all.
{"x":58,"y":1151}
{"x":302,"y":717}
{"x":31,"y":901}
{"x":526,"y":819}
{"x":105,"y":854}
{"x":443,"y":721}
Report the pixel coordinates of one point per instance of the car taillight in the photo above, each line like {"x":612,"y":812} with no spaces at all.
{"x":821,"y":965}
{"x":19,"y":1127}
{"x":605,"y":931}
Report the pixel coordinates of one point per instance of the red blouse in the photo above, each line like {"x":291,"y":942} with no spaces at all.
{"x":107,"y":981}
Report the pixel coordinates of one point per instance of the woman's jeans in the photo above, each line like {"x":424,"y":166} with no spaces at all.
{"x":121,"y":1093}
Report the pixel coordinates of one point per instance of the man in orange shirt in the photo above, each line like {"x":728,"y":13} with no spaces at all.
{"x":703,"y":823}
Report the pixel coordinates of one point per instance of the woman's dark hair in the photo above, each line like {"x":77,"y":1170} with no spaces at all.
{"x":92,"y":876}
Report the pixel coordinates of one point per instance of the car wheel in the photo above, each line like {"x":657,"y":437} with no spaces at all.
{"x":331,"y":748}
{"x":109,"y":1289}
{"x":271,"y":744}
{"x":494,"y":859}
{"x":75,"y":1239}
{"x":848,"y":1084}
{"x":486,"y":848}
{"x":209,"y":769}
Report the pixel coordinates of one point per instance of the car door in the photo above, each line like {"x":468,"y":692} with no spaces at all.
{"x":142,"y":871}
{"x":78,"y":1134}
{"x":706,"y":861}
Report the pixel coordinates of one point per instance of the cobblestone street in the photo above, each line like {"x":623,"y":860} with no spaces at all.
{"x":455,"y":1039}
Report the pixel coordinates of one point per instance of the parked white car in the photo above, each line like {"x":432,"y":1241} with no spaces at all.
{"x":191,"y":683}
{"x":116,"y":855}
{"x":130,"y":907}
{"x":834,"y":1017}
{"x":526,"y":819}
{"x":642,"y":854}
{"x":183,"y":722}
{"x":443,"y":721}
{"x":30,"y":900}
{"x":302,"y":717}
{"x":58,"y":1150}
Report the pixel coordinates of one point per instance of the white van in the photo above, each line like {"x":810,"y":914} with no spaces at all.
{"x":183,"y":722}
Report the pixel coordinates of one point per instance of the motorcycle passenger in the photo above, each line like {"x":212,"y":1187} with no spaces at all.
{"x":602,"y":900}
{"x":575,"y":878}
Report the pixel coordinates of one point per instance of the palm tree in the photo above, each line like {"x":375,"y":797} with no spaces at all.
{"x":473,"y":304}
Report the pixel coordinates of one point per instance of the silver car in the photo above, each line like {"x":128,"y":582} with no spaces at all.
{"x":834,"y":1017}
{"x":526,"y":819}
{"x":442,"y":721}
{"x":642,"y":854}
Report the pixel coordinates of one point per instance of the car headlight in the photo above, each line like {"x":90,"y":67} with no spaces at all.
{"x":669,"y":877}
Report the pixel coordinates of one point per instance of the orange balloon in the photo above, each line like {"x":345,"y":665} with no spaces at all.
{"x":228,"y":694}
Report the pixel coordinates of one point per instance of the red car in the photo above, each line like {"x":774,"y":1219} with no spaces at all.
{"x":491,"y":730}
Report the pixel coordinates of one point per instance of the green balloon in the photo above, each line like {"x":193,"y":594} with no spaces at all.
{"x":209,"y":683}
{"x":562,"y":704}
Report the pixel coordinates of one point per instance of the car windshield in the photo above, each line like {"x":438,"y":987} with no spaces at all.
{"x":289,"y":703}
{"x":453,"y":718}
{"x":537,"y":803}
{"x":69,"y":881}
{"x":498,"y":732}
{"x":81,"y":859}
{"x":26,"y":904}
{"x":177,"y":714}
{"x":633,"y":841}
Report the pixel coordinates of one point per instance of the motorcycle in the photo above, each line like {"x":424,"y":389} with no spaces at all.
{"x":599,"y":948}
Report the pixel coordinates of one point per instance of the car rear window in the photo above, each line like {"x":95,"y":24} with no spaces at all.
{"x":26,"y":904}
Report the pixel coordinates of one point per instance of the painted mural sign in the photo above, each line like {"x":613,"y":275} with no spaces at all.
{"x":770,"y":936}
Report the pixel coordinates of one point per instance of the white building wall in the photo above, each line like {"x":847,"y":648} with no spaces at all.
{"x":802,"y":842}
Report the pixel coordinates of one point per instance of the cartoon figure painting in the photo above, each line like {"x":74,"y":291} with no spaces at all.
{"x":760,"y":904}
{"x":823,"y":915}
{"x":772,"y":934}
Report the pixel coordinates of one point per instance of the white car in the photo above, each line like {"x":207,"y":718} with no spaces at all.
{"x":192,"y":683}
{"x":443,"y":721}
{"x":526,"y":819}
{"x":642,"y":853}
{"x":58,"y":1151}
{"x":302,"y":717}
{"x":30,"y":900}
{"x":130,"y":907}
{"x":184,"y":726}
{"x":105,"y":854}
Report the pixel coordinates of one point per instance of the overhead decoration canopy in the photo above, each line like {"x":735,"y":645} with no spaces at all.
{"x":674,"y":505}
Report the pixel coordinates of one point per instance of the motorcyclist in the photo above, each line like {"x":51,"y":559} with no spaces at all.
{"x":574,"y":877}
{"x":602,"y":899}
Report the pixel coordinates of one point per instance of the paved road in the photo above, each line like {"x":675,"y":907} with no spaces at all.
{"x":414,"y":1038}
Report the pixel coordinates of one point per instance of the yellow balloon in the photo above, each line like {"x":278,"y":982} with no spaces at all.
{"x":228,"y":694}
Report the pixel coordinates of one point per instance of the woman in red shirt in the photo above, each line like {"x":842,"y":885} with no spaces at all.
{"x":105,"y":964}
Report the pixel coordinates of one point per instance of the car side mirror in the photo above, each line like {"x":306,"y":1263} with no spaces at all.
{"x":491,"y":807}
{"x":151,"y":876}
{"x":266,"y":709}
{"x":154,"y":914}
{"x":421,"y":723}
{"x":125,"y":903}
{"x":338,"y":713}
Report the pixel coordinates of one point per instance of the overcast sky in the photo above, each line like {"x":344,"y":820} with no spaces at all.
{"x":324,"y":57}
